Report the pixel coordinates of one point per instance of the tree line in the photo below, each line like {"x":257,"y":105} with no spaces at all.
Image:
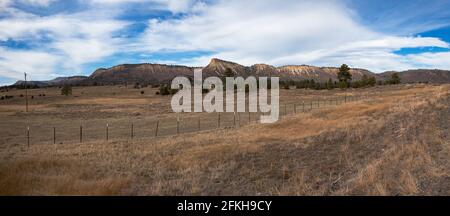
{"x":344,"y":80}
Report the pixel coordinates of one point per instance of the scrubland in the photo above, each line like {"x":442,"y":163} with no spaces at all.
{"x":394,"y":141}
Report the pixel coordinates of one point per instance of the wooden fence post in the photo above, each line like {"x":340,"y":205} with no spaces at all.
{"x":132,"y":130}
{"x":157,"y":127}
{"x":28,"y":136}
{"x":239,"y":120}
{"x":295,"y":108}
{"x":81,"y":133}
{"x":234,"y":119}
{"x":303,"y":102}
{"x":249,"y":116}
{"x":178,"y":124}
{"x":199,"y":128}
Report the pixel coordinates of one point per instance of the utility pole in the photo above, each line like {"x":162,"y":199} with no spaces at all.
{"x":26,"y":93}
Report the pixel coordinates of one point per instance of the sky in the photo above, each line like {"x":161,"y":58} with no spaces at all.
{"x":53,"y":38}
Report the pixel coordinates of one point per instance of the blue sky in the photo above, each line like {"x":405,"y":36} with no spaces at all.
{"x":51,"y":38}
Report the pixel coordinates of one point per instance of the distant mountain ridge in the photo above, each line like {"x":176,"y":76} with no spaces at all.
{"x":422,"y":75}
{"x":72,"y":80}
{"x":160,"y":73}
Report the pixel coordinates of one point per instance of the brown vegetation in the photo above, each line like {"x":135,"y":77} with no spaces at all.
{"x":396,"y":142}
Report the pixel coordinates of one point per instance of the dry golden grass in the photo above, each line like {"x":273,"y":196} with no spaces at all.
{"x":395,"y":142}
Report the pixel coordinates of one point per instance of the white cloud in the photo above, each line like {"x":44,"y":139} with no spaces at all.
{"x":306,"y":32}
{"x":323,"y":33}
{"x":72,"y":39}
{"x":432,"y":60}
{"x":44,"y":3}
{"x":175,"y":6}
{"x":14,"y":63}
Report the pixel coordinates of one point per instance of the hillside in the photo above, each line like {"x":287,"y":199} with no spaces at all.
{"x":72,"y":80}
{"x":158,"y":73}
{"x":422,"y":75}
{"x":138,"y":73}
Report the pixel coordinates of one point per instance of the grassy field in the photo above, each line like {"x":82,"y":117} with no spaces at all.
{"x":92,"y":108}
{"x":393,"y":140}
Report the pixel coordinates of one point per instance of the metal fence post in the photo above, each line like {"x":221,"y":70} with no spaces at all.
{"x":54,"y":135}
{"x":107,"y":131}
{"x":81,"y":133}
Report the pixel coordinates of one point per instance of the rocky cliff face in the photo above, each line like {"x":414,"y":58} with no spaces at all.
{"x":290,"y":72}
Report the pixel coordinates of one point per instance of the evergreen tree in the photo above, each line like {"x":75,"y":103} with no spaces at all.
{"x":395,"y":79}
{"x":344,"y":76}
{"x":66,"y":90}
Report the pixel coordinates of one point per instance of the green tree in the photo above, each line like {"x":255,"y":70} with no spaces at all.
{"x":66,"y":90}
{"x":330,"y":84}
{"x":372,"y":81}
{"x":344,"y":76}
{"x":395,"y":79}
{"x":164,"y":89}
{"x":364,"y":80}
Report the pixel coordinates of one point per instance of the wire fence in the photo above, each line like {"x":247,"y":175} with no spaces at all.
{"x":90,"y":131}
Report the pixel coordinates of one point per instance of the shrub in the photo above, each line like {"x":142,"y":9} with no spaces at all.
{"x":164,"y":89}
{"x":66,"y":90}
{"x":142,"y":92}
{"x":2,"y":98}
{"x":343,"y":84}
{"x":395,"y":79}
